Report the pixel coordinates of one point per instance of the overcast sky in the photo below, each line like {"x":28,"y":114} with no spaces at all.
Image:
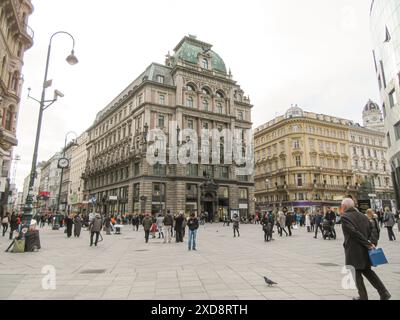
{"x":314,"y":53}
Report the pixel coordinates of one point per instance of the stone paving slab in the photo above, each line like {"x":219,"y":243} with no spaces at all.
{"x":225,"y":268}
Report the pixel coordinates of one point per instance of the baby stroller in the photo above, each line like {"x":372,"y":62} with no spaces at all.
{"x":327,"y":230}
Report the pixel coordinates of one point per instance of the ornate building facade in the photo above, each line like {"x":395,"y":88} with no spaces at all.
{"x":76,"y":200}
{"x":303,"y":161}
{"x":385,"y":30}
{"x":15,"y":38}
{"x":193,"y":89}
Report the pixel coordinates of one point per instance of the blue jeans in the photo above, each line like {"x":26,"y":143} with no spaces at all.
{"x":192,"y":237}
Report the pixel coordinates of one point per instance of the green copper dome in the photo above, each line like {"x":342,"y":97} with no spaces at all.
{"x":189,"y":49}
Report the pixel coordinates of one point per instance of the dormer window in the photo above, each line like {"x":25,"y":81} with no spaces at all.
{"x":160,"y":79}
{"x":204,"y":63}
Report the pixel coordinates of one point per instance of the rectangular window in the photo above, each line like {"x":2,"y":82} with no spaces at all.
{"x":162,"y":99}
{"x":388,"y":139}
{"x":299,"y":180}
{"x":192,"y":170}
{"x":397,"y":130}
{"x":296,"y":144}
{"x":240,"y":115}
{"x":161,"y":121}
{"x":392,"y":98}
{"x":190,"y":124}
{"x":298,"y":161}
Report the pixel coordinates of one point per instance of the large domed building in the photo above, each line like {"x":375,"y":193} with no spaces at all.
{"x":193,"y":90}
{"x":372,"y":117}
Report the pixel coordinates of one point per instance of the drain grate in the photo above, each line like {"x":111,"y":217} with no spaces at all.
{"x":93,"y":271}
{"x":328,"y":264}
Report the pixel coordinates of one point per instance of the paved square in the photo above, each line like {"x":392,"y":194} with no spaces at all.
{"x":125,"y":267}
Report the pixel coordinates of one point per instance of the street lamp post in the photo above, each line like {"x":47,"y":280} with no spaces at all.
{"x":62,"y":167}
{"x":72,"y":60}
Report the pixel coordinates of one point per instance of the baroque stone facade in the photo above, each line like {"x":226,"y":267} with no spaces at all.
{"x":193,"y":89}
{"x":15,"y":38}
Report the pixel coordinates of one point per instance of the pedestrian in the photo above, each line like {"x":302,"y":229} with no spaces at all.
{"x":69,"y":222}
{"x":375,"y":230}
{"x":193,"y":225}
{"x":135,"y":222}
{"x":235,"y":220}
{"x":281,"y":223}
{"x":5,"y":222}
{"x":318,"y":223}
{"x":77,"y":225}
{"x":398,"y":220}
{"x":13,"y":224}
{"x":160,"y":222}
{"x":95,"y":228}
{"x":184,"y":223}
{"x":356,"y":232}
{"x":389,"y":221}
{"x":331,"y":217}
{"x":178,"y":227}
{"x":312,"y":218}
{"x":168,"y":222}
{"x":107,"y":225}
{"x":153,"y":228}
{"x":288,"y":221}
{"x":147,"y":222}
{"x":267,"y":227}
{"x":308,"y":222}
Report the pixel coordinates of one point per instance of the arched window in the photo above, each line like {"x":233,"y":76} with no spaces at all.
{"x":190,"y":87}
{"x":204,"y":63}
{"x":205,"y":105}
{"x":205,"y":90}
{"x":220,"y":94}
{"x":219,"y":108}
{"x":189,"y":102}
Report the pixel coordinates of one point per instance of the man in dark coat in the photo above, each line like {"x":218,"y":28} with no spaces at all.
{"x":179,"y":227}
{"x":318,"y":223}
{"x":69,"y":223}
{"x":357,"y":231}
{"x":147,"y":222}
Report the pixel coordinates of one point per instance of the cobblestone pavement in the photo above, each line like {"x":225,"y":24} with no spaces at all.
{"x":225,"y":268}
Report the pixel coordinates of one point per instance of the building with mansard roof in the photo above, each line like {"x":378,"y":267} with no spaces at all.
{"x":194,"y":89}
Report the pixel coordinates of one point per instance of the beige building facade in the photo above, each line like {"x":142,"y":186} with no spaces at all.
{"x":15,"y":38}
{"x":369,"y":159}
{"x":195,"y":90}
{"x":303,"y":162}
{"x":76,"y":201}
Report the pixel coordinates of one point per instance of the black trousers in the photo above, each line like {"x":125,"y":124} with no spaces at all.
{"x":318,"y":226}
{"x":290,"y":230}
{"x":179,"y":235}
{"x":267,"y":235}
{"x":234,"y":231}
{"x":97,"y":237}
{"x":280,"y":229}
{"x":5,"y":228}
{"x":69,"y":232}
{"x":146,"y":235}
{"x":391,"y":234}
{"x":372,"y":278}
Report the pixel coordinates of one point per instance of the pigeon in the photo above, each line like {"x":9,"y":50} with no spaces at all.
{"x":269,"y":282}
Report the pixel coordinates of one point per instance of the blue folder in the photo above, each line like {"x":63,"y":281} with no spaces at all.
{"x":377,"y":257}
